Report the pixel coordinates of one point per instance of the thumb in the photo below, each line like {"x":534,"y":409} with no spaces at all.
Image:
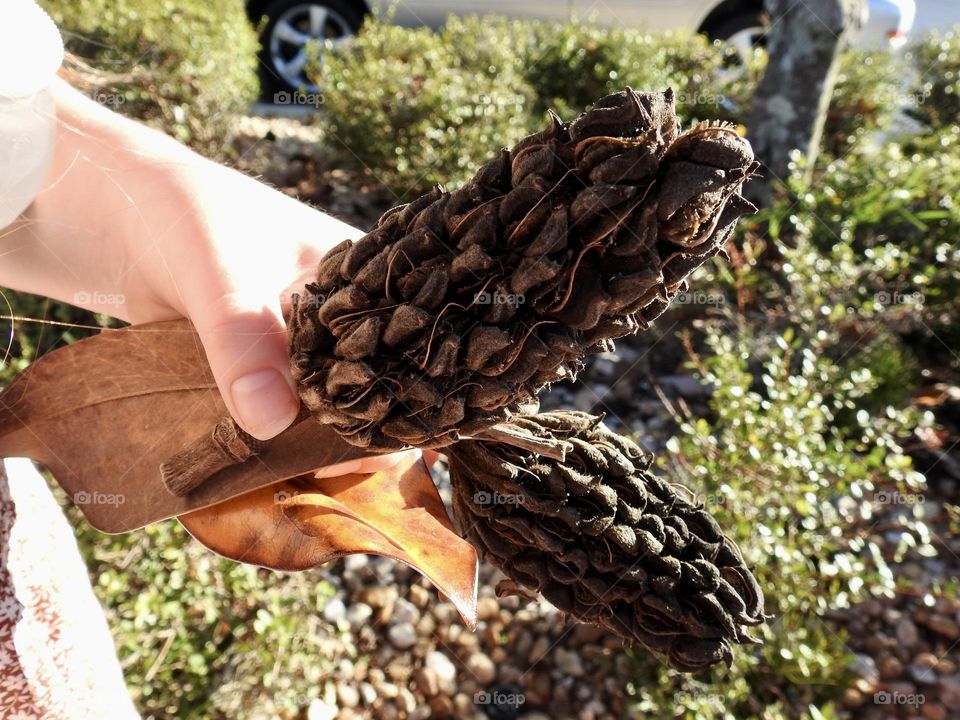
{"x":246,"y":346}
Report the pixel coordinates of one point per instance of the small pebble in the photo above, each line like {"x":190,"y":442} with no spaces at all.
{"x":358,"y":614}
{"x":427,"y":682}
{"x":890,"y":668}
{"x":540,"y":648}
{"x":482,"y":668}
{"x":568,"y":662}
{"x":348,"y":695}
{"x":405,"y":611}
{"x":441,"y":665}
{"x":945,"y":626}
{"x":402,"y":636}
{"x":921,"y":675}
{"x":419,"y":596}
{"x":488,"y":608}
{"x":321,"y":710}
{"x":933,"y":711}
{"x":368,"y":693}
{"x":907,"y":632}
{"x":334,"y":611}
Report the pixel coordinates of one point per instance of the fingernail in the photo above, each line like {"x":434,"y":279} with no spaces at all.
{"x":265,"y":403}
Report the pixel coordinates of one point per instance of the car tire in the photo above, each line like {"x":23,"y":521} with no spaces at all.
{"x":743,"y":32}
{"x":289,"y":22}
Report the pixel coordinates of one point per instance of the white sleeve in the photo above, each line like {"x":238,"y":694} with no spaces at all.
{"x":31,"y":52}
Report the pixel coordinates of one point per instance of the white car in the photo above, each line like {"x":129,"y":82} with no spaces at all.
{"x":290,"y":24}
{"x":933,"y":15}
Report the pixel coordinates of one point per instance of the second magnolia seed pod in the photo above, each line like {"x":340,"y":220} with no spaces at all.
{"x":605,"y":539}
{"x":459,"y":307}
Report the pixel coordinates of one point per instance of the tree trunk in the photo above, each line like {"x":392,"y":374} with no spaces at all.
{"x":791,"y":103}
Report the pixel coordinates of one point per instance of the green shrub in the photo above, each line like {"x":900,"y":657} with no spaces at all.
{"x":868,"y":92}
{"x":402,"y":104}
{"x":937,"y":60}
{"x":418,"y":107}
{"x":491,"y":44}
{"x":572,"y":64}
{"x":770,"y":463}
{"x":890,"y":210}
{"x":199,"y":636}
{"x":188,"y":67}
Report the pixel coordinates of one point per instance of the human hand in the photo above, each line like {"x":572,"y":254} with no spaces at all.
{"x":136,"y":226}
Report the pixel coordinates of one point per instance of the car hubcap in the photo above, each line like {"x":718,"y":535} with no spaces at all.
{"x":294,"y":30}
{"x":745,"y":41}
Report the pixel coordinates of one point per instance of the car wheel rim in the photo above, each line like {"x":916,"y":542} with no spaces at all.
{"x":294,"y":30}
{"x":745,"y":41}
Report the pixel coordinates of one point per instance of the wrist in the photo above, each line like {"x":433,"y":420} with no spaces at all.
{"x":107,"y":196}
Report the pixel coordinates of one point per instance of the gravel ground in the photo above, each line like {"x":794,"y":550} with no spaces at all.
{"x":421,"y":662}
{"x":399,"y":652}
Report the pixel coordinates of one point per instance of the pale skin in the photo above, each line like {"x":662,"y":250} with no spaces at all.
{"x":132,"y":224}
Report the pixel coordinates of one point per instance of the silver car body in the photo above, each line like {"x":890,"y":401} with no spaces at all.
{"x":886,"y":22}
{"x":939,"y":15}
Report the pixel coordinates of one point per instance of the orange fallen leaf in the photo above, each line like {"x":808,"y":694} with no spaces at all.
{"x":303,"y":522}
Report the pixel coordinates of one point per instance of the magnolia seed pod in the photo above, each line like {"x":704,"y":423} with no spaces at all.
{"x":605,"y":539}
{"x":459,"y":307}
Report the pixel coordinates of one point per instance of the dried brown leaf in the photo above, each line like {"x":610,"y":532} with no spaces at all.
{"x":303,"y":522}
{"x":104,"y":413}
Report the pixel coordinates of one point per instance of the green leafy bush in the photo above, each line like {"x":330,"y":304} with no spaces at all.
{"x":188,"y":67}
{"x":402,"y":104}
{"x":417,"y":107}
{"x":868,"y":92}
{"x":891,"y":210}
{"x":937,"y":60}
{"x":573,"y":64}
{"x":770,"y":462}
{"x":200,"y":636}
